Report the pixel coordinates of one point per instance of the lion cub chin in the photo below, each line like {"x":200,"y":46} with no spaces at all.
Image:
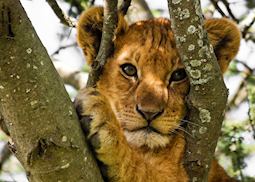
{"x":133,"y":118}
{"x":144,"y":138}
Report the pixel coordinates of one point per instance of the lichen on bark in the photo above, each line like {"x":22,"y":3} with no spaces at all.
{"x":208,"y":95}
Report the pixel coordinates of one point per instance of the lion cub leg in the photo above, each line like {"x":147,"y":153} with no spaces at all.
{"x":103,"y":133}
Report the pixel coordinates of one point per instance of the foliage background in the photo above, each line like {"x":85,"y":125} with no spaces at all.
{"x":236,"y":147}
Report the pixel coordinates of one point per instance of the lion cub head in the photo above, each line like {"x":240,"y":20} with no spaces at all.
{"x":144,"y":79}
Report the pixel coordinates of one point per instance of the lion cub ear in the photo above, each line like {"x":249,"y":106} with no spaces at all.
{"x":225,"y":37}
{"x":89,"y":31}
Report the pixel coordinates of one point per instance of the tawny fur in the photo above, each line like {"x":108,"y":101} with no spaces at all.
{"x":128,"y":151}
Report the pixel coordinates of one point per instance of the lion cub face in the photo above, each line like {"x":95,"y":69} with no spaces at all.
{"x":144,"y":79}
{"x":146,"y":85}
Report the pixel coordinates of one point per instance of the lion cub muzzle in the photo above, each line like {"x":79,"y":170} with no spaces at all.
{"x":150,"y":105}
{"x":149,"y":116}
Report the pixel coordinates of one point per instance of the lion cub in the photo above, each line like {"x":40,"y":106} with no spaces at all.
{"x":133,"y":118}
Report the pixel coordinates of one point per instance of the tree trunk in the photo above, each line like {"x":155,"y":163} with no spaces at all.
{"x":208,"y":94}
{"x":45,"y":132}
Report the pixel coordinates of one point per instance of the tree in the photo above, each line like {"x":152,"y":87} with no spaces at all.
{"x":44,"y":86}
{"x":206,"y":87}
{"x":46,"y":137}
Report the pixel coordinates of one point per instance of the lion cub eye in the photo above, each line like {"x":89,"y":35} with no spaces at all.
{"x":178,"y":75}
{"x":129,"y":69}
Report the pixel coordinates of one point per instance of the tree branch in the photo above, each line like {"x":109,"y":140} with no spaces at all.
{"x":240,"y":96}
{"x":63,"y":47}
{"x":124,"y":6}
{"x":216,"y":6}
{"x":38,"y":113}
{"x":64,"y":19}
{"x":246,"y":66}
{"x":92,"y":2}
{"x":227,"y":5}
{"x":106,"y":46}
{"x":251,"y":100}
{"x":246,"y":28}
{"x":208,"y":94}
{"x":233,"y":101}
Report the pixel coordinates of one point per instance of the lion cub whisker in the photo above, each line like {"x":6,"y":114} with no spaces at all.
{"x":190,"y":122}
{"x":177,"y":133}
{"x":178,"y":127}
{"x":183,"y":129}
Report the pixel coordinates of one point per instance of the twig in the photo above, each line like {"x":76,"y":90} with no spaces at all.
{"x":227,"y":5}
{"x":236,"y":95}
{"x":216,"y":6}
{"x":250,"y":87}
{"x":92,"y":2}
{"x":124,"y":6}
{"x":64,"y":19}
{"x":78,"y":7}
{"x":250,"y":70}
{"x":246,"y":28}
{"x":63,"y":47}
{"x":252,"y":124}
{"x":250,"y":36}
{"x":241,"y":85}
{"x":106,"y":46}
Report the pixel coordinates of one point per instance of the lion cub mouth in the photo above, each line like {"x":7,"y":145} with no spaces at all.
{"x":147,"y":129}
{"x":147,"y":136}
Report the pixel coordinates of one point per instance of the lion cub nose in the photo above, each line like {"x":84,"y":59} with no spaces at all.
{"x":149,"y":116}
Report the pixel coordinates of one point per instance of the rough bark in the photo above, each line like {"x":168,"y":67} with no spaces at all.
{"x":45,"y":132}
{"x":208,"y":94}
{"x":106,"y":45}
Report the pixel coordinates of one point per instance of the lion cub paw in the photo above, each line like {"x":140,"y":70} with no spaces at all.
{"x":97,"y":119}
